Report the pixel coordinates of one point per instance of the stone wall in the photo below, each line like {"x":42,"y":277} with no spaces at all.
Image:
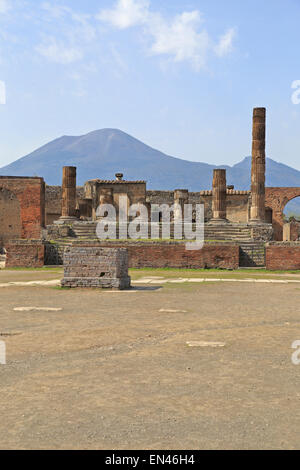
{"x":25,"y":253}
{"x":96,"y":267}
{"x":283,"y":256}
{"x":238,"y":202}
{"x":22,"y":206}
{"x":155,"y":254}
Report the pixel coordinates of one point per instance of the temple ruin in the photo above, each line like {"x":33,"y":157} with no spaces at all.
{"x":58,"y":216}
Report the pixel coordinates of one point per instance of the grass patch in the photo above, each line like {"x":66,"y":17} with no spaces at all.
{"x":211,"y":273}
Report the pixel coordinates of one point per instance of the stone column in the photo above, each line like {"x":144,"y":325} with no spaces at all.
{"x":68,"y":194}
{"x":219,"y":197}
{"x":258,"y":177}
{"x":181,"y":197}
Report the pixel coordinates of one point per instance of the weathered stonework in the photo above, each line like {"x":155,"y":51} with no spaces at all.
{"x":181,"y":197}
{"x":219,"y":196}
{"x":22,"y":208}
{"x":283,"y":256}
{"x":25,"y":253}
{"x":262,"y":232}
{"x":291,"y":231}
{"x":258,"y":165}
{"x":155,"y":254}
{"x":68,"y":201}
{"x":96,"y":267}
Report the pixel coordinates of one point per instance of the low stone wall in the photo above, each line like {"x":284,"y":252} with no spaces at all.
{"x":172,"y":254}
{"x":96,"y":267}
{"x":25,"y":253}
{"x":283,"y":256}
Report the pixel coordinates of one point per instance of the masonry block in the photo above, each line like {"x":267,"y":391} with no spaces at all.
{"x":96,"y":267}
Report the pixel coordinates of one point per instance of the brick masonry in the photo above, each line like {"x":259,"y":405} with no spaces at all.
{"x":30,"y":193}
{"x":162,"y":254}
{"x":96,"y":267}
{"x":283,"y":256}
{"x":25,"y":253}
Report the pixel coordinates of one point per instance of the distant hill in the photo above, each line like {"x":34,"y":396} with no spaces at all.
{"x":101,"y":154}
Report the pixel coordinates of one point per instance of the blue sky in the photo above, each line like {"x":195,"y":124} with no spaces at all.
{"x":181,"y":76}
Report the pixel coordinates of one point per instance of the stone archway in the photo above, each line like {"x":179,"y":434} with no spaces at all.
{"x":10,"y":217}
{"x":277,"y":199}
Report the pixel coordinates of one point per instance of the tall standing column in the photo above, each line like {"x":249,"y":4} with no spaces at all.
{"x":219,"y":197}
{"x":68,"y":193}
{"x":258,"y":172}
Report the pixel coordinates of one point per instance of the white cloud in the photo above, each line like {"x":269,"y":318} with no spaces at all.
{"x":4,"y":6}
{"x":225,"y":44}
{"x":126,"y":13}
{"x":57,"y":52}
{"x":180,"y":38}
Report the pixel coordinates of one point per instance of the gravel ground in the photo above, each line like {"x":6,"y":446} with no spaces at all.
{"x":113,"y":369}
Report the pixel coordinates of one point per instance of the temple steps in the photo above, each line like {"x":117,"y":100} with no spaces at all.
{"x":252,"y":254}
{"x":222,"y":232}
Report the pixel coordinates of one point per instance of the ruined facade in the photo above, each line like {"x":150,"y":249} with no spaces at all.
{"x":22,"y":208}
{"x":29,"y":210}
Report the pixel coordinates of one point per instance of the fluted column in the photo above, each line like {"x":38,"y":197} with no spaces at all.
{"x":219,"y":197}
{"x":258,"y":171}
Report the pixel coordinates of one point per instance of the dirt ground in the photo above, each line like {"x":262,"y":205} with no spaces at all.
{"x":113,"y":371}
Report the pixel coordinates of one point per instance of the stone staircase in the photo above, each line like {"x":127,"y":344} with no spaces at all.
{"x":227,"y":232}
{"x":252,"y":254}
{"x":85,"y":230}
{"x":223,"y":232}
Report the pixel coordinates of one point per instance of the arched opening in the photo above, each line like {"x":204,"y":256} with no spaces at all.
{"x":291,"y":220}
{"x":10,"y":217}
{"x":292,"y":210}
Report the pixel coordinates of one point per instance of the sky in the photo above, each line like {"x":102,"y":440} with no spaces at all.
{"x":181,"y":76}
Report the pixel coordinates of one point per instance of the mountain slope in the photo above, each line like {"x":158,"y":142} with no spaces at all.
{"x":100,"y":154}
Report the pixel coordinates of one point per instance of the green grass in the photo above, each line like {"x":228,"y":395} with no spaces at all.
{"x":170,"y":273}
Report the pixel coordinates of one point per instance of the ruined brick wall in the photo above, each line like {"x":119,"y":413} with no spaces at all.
{"x":28,"y":195}
{"x":163,"y":254}
{"x":135,"y":191}
{"x":238,"y":203}
{"x":283,"y":256}
{"x":96,"y":267}
{"x":25,"y":253}
{"x":10,"y":217}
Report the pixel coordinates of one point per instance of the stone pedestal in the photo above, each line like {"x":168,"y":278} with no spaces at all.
{"x":219,"y":197}
{"x":257,"y":212}
{"x":96,"y":267}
